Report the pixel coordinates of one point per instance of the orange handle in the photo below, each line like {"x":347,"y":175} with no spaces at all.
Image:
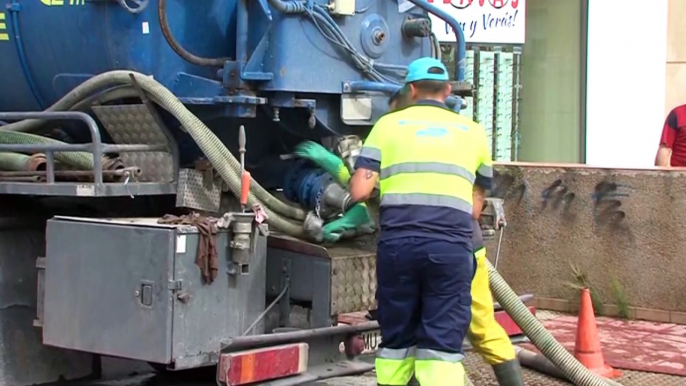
{"x":245,"y":187}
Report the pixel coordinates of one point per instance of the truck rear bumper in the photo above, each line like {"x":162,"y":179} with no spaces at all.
{"x":304,"y":356}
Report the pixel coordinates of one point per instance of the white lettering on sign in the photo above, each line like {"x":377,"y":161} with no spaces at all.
{"x":85,"y":190}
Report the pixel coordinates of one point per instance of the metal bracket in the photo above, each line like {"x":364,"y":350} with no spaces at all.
{"x":463,"y":89}
{"x":40,"y":298}
{"x":175,"y":285}
{"x":13,"y":7}
{"x":285,"y":302}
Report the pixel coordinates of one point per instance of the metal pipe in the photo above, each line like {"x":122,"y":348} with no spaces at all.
{"x":288,"y":6}
{"x":285,"y":337}
{"x":50,"y":166}
{"x":31,"y":148}
{"x":174,"y":44}
{"x":20,"y":179}
{"x":365,"y":85}
{"x":133,"y":148}
{"x":461,"y":52}
{"x":133,"y":171}
{"x":14,"y":8}
{"x":242,"y":33}
{"x":266,"y":310}
{"x":538,"y":362}
{"x":386,"y":88}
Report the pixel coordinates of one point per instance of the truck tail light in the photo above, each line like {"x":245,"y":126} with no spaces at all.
{"x":262,"y":364}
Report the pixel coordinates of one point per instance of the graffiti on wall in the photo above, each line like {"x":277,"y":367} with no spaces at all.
{"x":567,"y":199}
{"x":607,"y":204}
{"x":508,"y":185}
{"x":558,"y":197}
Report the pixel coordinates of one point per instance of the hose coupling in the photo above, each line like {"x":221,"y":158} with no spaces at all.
{"x":335,"y":200}
{"x":416,"y":28}
{"x":314,"y":227}
{"x":348,"y":202}
{"x":243,"y":242}
{"x":348,"y":148}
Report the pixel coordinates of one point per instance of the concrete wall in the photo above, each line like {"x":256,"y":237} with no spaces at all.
{"x":675,"y":93}
{"x":623,"y":224}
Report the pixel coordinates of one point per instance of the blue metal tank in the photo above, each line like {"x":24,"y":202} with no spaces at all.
{"x":281,"y":70}
{"x":51,"y":46}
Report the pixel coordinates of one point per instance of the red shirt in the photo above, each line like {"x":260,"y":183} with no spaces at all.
{"x":674,"y":135}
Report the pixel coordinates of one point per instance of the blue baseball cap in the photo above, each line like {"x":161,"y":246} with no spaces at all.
{"x":426,"y":69}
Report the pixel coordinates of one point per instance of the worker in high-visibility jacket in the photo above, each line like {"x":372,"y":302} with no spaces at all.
{"x":485,"y":333}
{"x":427,"y":160}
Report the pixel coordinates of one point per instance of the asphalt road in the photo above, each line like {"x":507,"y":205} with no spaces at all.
{"x":479,"y":373}
{"x":149,"y":380}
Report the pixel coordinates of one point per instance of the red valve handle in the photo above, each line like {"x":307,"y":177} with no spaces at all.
{"x":245,"y":187}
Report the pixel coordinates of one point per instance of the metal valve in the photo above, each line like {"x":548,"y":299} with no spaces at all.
{"x":493,"y":217}
{"x":242,"y":244}
{"x":243,"y":224}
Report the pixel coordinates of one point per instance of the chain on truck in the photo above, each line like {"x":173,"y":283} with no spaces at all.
{"x":149,"y":212}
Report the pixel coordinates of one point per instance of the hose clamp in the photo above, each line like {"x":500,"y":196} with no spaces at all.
{"x":318,"y":203}
{"x":314,"y":227}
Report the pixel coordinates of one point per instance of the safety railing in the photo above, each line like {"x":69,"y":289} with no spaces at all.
{"x":96,"y":148}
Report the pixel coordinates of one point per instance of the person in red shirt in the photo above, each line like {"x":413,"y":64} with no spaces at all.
{"x":672,"y":150}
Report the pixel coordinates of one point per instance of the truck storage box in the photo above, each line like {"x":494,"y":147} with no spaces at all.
{"x":131,"y":288}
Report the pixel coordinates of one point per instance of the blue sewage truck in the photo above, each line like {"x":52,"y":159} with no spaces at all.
{"x":129,"y":226}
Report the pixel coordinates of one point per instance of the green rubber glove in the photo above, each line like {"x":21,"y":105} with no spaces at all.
{"x":324,"y":159}
{"x":355,"y":222}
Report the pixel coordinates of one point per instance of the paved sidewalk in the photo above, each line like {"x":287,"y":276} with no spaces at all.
{"x":481,"y":375}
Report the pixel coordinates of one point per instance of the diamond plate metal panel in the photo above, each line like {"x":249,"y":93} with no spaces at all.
{"x":353,"y":283}
{"x":133,"y":124}
{"x":194,"y":191}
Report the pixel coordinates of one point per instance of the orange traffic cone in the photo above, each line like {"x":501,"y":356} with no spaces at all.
{"x":587,"y":349}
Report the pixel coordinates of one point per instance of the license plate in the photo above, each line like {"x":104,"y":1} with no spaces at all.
{"x":372,"y":339}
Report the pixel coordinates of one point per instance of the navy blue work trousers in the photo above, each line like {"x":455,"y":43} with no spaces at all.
{"x":424,"y":293}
